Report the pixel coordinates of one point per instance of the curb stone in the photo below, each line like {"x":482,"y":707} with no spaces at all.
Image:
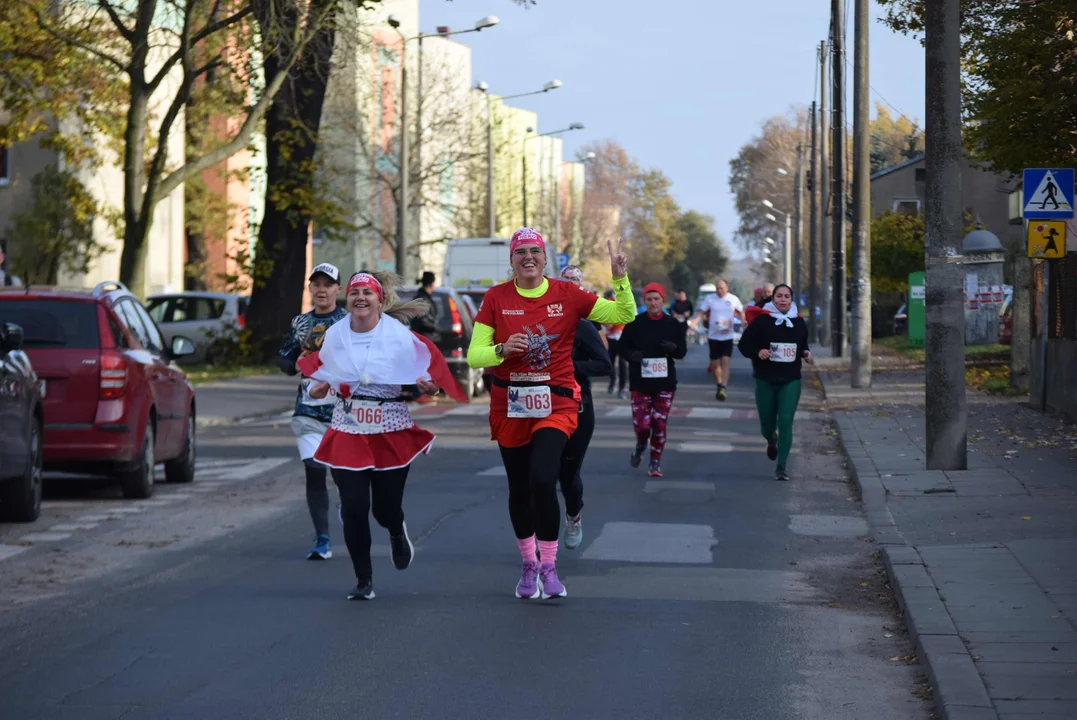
{"x":960,"y":693}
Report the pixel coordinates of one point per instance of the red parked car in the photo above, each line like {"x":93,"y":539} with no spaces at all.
{"x":114,"y":400}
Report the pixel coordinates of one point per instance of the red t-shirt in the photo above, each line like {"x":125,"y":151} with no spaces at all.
{"x":550,"y":325}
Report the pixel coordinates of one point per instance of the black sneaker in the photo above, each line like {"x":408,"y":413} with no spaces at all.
{"x":772,"y":451}
{"x":401,"y":549}
{"x":780,"y":473}
{"x":637,"y":455}
{"x":362,"y":592}
{"x":720,"y":395}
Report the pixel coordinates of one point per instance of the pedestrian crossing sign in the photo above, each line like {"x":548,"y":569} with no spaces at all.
{"x":1047,"y":239}
{"x":1048,"y":193}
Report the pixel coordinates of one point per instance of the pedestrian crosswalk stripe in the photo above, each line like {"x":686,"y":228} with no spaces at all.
{"x":656,"y":486}
{"x":496,"y":471}
{"x":705,"y":447}
{"x":7,"y":551}
{"x":44,"y":537}
{"x":619,"y":412}
{"x":653,"y":543}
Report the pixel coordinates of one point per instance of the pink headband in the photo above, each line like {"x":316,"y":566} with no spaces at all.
{"x":526,"y":236}
{"x":366,"y":280}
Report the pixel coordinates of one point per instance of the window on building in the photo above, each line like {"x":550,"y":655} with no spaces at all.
{"x":921,"y":174}
{"x":908,"y":206}
{"x":5,"y":166}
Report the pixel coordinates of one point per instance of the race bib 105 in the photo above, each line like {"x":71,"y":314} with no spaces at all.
{"x":654,"y":368}
{"x":783,"y":352}
{"x":530,"y":402}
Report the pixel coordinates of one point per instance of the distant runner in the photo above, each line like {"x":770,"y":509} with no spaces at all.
{"x":619,"y":371}
{"x":372,"y":439}
{"x":590,"y":358}
{"x":719,"y":311}
{"x":652,"y":343}
{"x":312,"y":417}
{"x":776,"y":343}
{"x":526,"y":330}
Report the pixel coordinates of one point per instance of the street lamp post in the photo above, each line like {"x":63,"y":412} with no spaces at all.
{"x":787,"y":260}
{"x":491,"y":220}
{"x":528,"y":136}
{"x":404,"y":202}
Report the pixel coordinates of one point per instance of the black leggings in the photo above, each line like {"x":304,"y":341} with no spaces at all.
{"x":620,"y":373}
{"x":317,"y":496}
{"x":532,"y":471}
{"x":356,"y":490}
{"x":572,"y":458}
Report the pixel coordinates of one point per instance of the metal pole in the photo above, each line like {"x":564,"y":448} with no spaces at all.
{"x":1045,"y":330}
{"x":837,"y":122}
{"x":402,"y":202}
{"x":491,"y":222}
{"x":944,"y":396}
{"x":860,"y":368}
{"x":419,"y":141}
{"x":787,"y":252}
{"x":825,"y":289}
{"x":813,"y":221}
{"x":525,"y":181}
{"x":557,"y":203}
{"x":798,"y":222}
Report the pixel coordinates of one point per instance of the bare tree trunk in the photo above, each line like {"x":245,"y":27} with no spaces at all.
{"x":861,"y":285}
{"x":294,"y":120}
{"x":136,"y":226}
{"x":1021,"y":322}
{"x":826,"y":287}
{"x":945,"y":409}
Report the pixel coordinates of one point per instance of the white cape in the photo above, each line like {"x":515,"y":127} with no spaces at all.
{"x":397,"y":356}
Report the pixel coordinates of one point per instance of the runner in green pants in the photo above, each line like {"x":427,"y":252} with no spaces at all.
{"x":777,"y":342}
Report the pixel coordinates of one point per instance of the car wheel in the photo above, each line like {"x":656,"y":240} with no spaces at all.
{"x":181,"y":469}
{"x":22,"y":496}
{"x":137,"y":483}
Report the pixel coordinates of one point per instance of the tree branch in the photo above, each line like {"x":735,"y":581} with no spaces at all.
{"x":128,"y":34}
{"x":202,"y":34}
{"x":65,"y":38}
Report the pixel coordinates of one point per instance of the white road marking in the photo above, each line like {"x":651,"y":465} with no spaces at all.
{"x":620,"y":411}
{"x":653,"y":543}
{"x":705,"y":447}
{"x":717,"y":433}
{"x":656,"y":486}
{"x":70,"y":527}
{"x":496,"y":471}
{"x":828,"y":525}
{"x":708,"y":413}
{"x":44,"y":537}
{"x":92,"y":518}
{"x":124,"y":510}
{"x":472,"y":410}
{"x":7,"y":551}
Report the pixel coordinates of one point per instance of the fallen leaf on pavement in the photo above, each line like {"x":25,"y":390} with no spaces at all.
{"x":1026,"y":517}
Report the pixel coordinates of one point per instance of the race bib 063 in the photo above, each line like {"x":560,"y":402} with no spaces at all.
{"x":530,"y":402}
{"x":783,"y":352}
{"x":363,"y":416}
{"x":654,"y":368}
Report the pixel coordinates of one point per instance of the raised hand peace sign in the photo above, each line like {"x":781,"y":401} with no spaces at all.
{"x":618,"y":258}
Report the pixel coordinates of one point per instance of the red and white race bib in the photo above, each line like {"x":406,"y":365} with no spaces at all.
{"x":783,"y":352}
{"x":363,"y":417}
{"x":530,"y":402}
{"x":654,"y":368}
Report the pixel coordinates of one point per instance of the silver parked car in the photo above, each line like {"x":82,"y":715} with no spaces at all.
{"x":211,"y":320}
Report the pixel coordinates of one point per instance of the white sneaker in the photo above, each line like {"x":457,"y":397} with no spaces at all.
{"x":573,"y":532}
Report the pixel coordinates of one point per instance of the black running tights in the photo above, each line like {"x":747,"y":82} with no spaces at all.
{"x":357,"y":488}
{"x":532,"y":471}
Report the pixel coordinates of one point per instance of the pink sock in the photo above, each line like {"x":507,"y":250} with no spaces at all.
{"x":527,"y":548}
{"x":548,"y":551}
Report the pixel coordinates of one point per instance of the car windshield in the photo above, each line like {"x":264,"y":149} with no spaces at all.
{"x":53,"y":323}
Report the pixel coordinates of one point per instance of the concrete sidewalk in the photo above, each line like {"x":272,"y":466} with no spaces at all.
{"x":228,"y":401}
{"x":983,"y":561}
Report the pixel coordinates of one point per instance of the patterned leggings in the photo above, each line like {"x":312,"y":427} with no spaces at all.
{"x":650,"y":412}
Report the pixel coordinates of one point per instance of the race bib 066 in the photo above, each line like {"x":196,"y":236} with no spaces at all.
{"x":363,"y":416}
{"x":654,"y":368}
{"x":530,"y":402}
{"x":783,"y":352}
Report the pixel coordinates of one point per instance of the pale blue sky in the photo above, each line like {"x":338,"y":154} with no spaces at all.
{"x":682,"y":85}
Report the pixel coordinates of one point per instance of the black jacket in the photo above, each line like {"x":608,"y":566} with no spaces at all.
{"x":427,"y":323}
{"x":760,"y":334}
{"x":642,"y":339}
{"x":589,"y":357}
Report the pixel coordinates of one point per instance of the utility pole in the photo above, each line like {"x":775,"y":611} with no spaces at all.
{"x":944,"y":395}
{"x":798,"y":222}
{"x":813,"y":222}
{"x":405,"y":170}
{"x":837,"y":123}
{"x":825,"y":289}
{"x":491,"y":217}
{"x":860,"y":368}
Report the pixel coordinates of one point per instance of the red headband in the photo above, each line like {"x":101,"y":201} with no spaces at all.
{"x":526,"y":236}
{"x":366,"y":280}
{"x":654,"y":287}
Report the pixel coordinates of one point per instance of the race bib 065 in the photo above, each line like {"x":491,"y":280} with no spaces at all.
{"x":654,"y":368}
{"x":783,"y":352}
{"x":530,"y":402}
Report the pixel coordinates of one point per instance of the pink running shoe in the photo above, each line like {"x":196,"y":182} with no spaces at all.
{"x":527,"y":588}
{"x":551,"y":586}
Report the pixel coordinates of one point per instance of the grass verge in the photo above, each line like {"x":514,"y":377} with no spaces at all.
{"x":200,"y":374}
{"x":987,"y":366}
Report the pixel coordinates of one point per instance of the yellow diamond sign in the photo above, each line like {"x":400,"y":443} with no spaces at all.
{"x":1046,"y":239}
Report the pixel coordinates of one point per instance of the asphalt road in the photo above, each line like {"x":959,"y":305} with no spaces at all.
{"x":714,"y":593}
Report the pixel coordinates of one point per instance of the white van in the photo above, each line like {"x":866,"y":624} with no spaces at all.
{"x":474,"y":265}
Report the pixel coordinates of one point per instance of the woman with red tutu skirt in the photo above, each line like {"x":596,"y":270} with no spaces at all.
{"x":372,"y":440}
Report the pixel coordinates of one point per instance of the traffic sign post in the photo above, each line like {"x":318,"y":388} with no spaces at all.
{"x":562,"y":262}
{"x":1047,"y":193}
